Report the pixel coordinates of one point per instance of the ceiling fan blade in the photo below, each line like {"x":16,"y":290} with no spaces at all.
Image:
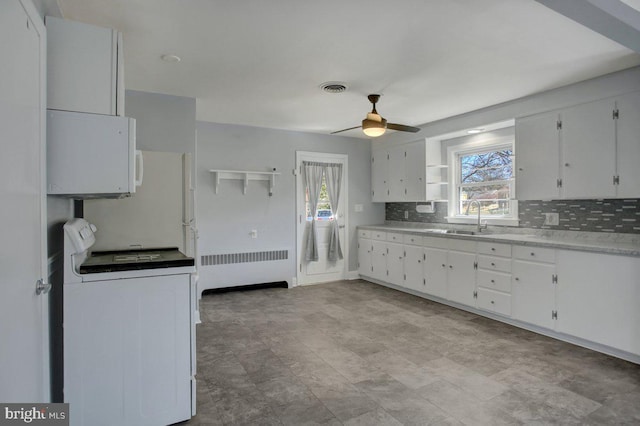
{"x":402,"y":127}
{"x":344,"y":130}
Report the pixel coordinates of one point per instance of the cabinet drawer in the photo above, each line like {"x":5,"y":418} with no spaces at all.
{"x":435,"y":242}
{"x":395,"y":237}
{"x":494,"y":280}
{"x":462,"y":245}
{"x":494,"y":301}
{"x":493,"y":249}
{"x":534,"y":254}
{"x":414,"y":240}
{"x":379,"y":235}
{"x":364,"y":233}
{"x":492,"y":263}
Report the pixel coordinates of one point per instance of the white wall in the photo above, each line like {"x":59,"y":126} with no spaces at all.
{"x":586,"y":91}
{"x":225,"y":219}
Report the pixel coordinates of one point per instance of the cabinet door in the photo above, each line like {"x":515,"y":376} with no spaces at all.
{"x":82,"y":68}
{"x":395,"y":264}
{"x":537,"y":149}
{"x":628,"y":145}
{"x":413,"y":267}
{"x":461,"y":277}
{"x":379,"y":175}
{"x":435,"y":272}
{"x":396,"y":178}
{"x":588,"y":141}
{"x":379,"y":260}
{"x":415,"y":171}
{"x":598,"y":298}
{"x":364,"y":257}
{"x":533,"y":293}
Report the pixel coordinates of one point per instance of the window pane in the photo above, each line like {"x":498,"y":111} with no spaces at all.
{"x":493,"y":199}
{"x":323,"y":208}
{"x":486,"y":166}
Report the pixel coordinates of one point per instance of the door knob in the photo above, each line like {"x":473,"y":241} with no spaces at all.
{"x":42,"y":287}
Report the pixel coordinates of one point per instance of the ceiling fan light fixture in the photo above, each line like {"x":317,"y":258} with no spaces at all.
{"x":374,"y":128}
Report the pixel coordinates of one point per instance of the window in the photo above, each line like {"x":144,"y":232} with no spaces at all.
{"x":323,"y":209}
{"x":481,"y":178}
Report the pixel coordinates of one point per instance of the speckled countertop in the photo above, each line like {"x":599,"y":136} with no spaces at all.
{"x":599,"y":242}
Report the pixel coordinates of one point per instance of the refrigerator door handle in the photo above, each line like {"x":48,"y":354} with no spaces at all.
{"x":139,"y":167}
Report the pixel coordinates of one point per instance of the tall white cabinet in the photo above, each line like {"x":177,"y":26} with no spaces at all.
{"x":588,"y":151}
{"x":85,"y":68}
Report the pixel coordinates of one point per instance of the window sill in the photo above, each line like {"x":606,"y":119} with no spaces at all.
{"x":473,"y":220}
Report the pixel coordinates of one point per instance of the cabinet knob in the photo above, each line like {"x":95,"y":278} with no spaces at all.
{"x":517,"y":279}
{"x":450,"y":266}
{"x":520,"y":169}
{"x":493,"y":249}
{"x":492,"y":302}
{"x":493,"y":281}
{"x":443,"y":265}
{"x":493,"y":264}
{"x":566,"y":164}
{"x":533,"y":254}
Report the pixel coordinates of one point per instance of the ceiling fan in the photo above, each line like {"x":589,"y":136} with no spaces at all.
{"x":374,"y":125}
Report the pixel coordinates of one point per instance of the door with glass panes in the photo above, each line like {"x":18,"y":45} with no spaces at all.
{"x":322,"y":270}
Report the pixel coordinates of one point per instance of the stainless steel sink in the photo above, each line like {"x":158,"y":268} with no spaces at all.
{"x":448,"y":231}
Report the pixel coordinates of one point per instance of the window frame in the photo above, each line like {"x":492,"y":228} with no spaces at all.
{"x":472,"y":145}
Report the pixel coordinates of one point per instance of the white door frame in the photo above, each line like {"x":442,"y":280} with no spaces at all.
{"x":321,"y":157}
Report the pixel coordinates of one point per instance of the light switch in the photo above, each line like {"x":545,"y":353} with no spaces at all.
{"x":254,"y":233}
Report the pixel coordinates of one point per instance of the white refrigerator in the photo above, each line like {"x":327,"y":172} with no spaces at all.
{"x":159,"y":214}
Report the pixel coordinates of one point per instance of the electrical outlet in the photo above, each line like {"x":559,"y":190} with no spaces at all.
{"x":551,"y":219}
{"x":406,"y":214}
{"x":254,"y":233}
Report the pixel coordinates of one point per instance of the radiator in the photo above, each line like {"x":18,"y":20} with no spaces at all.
{"x":251,"y":257}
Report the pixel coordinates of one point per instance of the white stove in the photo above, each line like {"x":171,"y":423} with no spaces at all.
{"x":129,"y":333}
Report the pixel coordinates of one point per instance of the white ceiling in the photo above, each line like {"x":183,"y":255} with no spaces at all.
{"x":260,"y":63}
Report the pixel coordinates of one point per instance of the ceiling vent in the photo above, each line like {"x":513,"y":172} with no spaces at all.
{"x":333,"y":87}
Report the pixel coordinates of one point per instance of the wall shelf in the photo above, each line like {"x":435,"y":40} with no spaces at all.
{"x":245,"y":176}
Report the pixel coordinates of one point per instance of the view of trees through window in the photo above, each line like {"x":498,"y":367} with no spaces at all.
{"x":487,"y":178}
{"x":323,"y":211}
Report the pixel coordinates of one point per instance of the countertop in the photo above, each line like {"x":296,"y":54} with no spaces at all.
{"x":598,"y":242}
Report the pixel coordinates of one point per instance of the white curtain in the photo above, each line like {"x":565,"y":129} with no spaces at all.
{"x":333,"y":179}
{"x":313,"y":183}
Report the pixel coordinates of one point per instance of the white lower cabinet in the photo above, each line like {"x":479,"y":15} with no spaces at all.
{"x":534,"y":286}
{"x":435,"y":272}
{"x":395,"y":263}
{"x":598,"y":298}
{"x":461,"y":277}
{"x":494,"y":278}
{"x":364,"y":253}
{"x":378,"y":260}
{"x":414,"y":258}
{"x":590,"y":296}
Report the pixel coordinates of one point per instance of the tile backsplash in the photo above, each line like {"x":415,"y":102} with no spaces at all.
{"x":620,"y":216}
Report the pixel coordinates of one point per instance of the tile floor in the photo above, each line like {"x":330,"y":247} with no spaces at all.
{"x":355,"y":353}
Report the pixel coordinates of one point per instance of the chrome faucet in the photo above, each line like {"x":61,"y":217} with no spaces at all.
{"x":480,"y":225}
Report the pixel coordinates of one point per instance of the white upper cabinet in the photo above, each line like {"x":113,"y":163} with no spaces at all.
{"x":379,"y":175}
{"x":589,"y":154}
{"x":537,"y":157}
{"x":85,"y":68}
{"x":585,"y":151}
{"x":628,"y":145}
{"x":400,"y":173}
